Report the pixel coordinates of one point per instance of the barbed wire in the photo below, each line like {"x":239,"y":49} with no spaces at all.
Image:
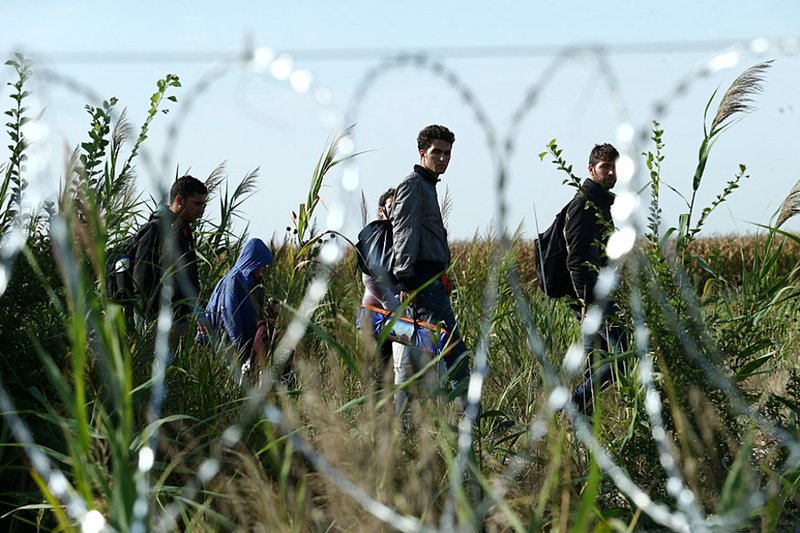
{"x":688,"y":517}
{"x":174,"y":56}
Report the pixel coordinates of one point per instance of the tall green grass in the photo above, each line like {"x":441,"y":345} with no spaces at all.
{"x":708,"y":405}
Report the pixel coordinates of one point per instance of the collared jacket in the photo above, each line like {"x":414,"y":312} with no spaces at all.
{"x":166,"y":255}
{"x":419,"y":235}
{"x":235,"y":304}
{"x":587,"y":228}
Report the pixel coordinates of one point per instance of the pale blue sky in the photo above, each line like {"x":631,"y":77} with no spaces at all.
{"x":250,"y":120}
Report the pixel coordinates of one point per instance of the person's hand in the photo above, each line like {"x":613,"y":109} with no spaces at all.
{"x":583,"y":312}
{"x":203,"y":323}
{"x":448,"y":285}
{"x":273,"y":307}
{"x":404,"y":295}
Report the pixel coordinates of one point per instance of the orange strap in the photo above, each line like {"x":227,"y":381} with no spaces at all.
{"x":404,"y":318}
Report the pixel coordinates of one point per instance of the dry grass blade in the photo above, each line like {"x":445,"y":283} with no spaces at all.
{"x":364,"y":209}
{"x":790,"y":206}
{"x":738,"y":97}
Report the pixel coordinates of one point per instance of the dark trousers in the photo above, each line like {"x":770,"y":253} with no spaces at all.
{"x":432,"y":304}
{"x":611,"y":340}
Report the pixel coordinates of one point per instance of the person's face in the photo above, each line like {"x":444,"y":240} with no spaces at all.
{"x":191,"y":208}
{"x":260,"y":271}
{"x":604,"y":173}
{"x":436,"y":157}
{"x":385,"y":209}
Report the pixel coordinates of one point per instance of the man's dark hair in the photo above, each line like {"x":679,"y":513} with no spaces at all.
{"x":603,"y":152}
{"x":186,"y":186}
{"x":385,"y":196}
{"x":432,"y":133}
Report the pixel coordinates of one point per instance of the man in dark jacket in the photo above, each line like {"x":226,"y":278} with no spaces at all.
{"x":421,"y":252}
{"x":165,"y":254}
{"x":586,"y":231}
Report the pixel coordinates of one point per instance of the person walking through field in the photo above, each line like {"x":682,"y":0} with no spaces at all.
{"x":236,"y":306}
{"x":165,"y":258}
{"x":587,"y":228}
{"x":422,"y":253}
{"x":380,"y":291}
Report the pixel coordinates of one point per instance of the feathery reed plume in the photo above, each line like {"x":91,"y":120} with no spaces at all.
{"x":790,"y":206}
{"x":738,"y":97}
{"x":216,"y":177}
{"x":220,"y":236}
{"x":245,"y":189}
{"x":446,"y":205}
{"x":122,"y":187}
{"x":123,"y":129}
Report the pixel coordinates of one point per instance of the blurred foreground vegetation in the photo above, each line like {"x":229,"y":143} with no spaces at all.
{"x":83,"y":387}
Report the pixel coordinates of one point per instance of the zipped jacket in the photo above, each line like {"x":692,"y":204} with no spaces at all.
{"x":587,"y":228}
{"x":419,"y":235}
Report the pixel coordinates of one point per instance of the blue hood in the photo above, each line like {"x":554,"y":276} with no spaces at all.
{"x":255,"y":255}
{"x":235,"y":303}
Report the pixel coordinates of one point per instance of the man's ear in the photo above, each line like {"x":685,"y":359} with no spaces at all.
{"x":179,"y":200}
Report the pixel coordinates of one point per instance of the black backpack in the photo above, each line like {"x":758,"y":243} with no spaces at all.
{"x":376,"y":252}
{"x":550,"y":252}
{"x":119,"y":267}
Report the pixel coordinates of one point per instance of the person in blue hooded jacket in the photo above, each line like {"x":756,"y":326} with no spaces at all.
{"x":235,"y":305}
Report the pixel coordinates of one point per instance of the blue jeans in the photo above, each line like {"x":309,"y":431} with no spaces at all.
{"x":610,"y":339}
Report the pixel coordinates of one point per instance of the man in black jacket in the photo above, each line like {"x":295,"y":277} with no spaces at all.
{"x":421,"y":252}
{"x":165,"y":253}
{"x":587,"y":229}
